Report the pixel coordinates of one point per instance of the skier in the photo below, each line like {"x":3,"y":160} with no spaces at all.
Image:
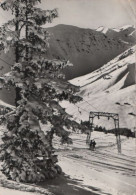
{"x":92,"y":144}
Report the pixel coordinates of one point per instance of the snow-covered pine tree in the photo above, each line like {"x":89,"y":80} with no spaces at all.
{"x":40,"y":86}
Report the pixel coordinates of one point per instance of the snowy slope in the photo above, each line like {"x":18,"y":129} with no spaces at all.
{"x":101,"y":171}
{"x":6,"y":191}
{"x":110,"y":71}
{"x":110,"y":88}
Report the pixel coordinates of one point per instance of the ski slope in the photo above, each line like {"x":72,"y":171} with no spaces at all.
{"x":102,"y":171}
{"x":110,"y":88}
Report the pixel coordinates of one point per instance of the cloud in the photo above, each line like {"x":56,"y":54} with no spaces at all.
{"x":93,"y":13}
{"x":89,"y":13}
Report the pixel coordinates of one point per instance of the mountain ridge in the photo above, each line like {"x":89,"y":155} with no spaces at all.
{"x":86,"y":49}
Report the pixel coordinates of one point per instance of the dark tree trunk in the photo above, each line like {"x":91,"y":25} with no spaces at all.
{"x":27,"y":49}
{"x":18,"y":97}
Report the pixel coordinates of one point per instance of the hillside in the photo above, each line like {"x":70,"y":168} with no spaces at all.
{"x":87,"y":49}
{"x":125,"y":34}
{"x":110,"y":88}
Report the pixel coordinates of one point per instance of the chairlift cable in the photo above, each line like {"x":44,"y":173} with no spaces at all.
{"x":93,"y":107}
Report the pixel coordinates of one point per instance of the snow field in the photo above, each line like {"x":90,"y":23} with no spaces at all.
{"x":101,"y":171}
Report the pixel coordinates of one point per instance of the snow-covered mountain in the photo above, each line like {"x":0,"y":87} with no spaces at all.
{"x":87,"y":49}
{"x":105,"y":29}
{"x":125,"y":34}
{"x":102,"y":29}
{"x":110,"y":88}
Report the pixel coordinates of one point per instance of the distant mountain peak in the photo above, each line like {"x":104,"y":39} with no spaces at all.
{"x":116,"y":29}
{"x":102,"y":29}
{"x":106,"y":30}
{"x":127,"y":27}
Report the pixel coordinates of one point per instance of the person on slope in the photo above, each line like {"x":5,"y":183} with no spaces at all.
{"x":92,"y":144}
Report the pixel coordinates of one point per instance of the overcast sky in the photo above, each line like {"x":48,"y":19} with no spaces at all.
{"x":89,"y":13}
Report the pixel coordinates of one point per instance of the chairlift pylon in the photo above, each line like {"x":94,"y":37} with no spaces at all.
{"x":115,"y":117}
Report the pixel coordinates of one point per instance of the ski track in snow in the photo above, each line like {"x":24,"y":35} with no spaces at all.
{"x":103,"y":169}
